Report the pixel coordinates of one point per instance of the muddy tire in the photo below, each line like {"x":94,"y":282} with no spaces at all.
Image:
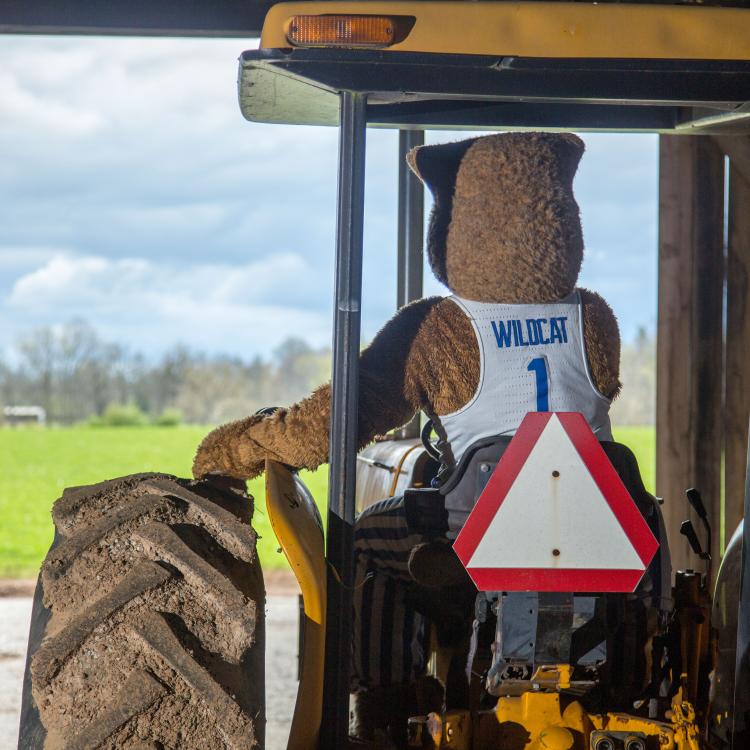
{"x":147,"y":627}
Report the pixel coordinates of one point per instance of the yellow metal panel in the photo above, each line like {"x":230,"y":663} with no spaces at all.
{"x":548,"y":726}
{"x":296,"y":527}
{"x":544,"y":29}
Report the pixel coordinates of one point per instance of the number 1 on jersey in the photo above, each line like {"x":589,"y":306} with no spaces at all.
{"x":539,"y":367}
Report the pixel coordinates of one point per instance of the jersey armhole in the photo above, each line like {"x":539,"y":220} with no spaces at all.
{"x":465,"y":310}
{"x":584,"y":352}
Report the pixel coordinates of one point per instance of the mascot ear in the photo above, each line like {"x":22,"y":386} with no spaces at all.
{"x":569,"y":149}
{"x":437,"y":167}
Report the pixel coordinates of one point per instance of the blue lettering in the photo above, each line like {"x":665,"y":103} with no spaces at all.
{"x":555,"y":334}
{"x":502,"y":335}
{"x":539,"y":367}
{"x":521,"y":339}
{"x":532,"y":332}
{"x":540,"y":328}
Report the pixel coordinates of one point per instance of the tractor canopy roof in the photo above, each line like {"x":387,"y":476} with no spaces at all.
{"x":504,"y":65}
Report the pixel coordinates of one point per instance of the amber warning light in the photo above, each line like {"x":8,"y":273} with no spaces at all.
{"x":346,"y":31}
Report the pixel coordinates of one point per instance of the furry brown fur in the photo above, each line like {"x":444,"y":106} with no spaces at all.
{"x":514,"y":197}
{"x":504,"y":228}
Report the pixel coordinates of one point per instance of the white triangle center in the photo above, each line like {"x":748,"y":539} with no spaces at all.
{"x":555,"y":522}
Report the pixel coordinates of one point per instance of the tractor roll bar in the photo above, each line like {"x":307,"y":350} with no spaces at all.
{"x":344,"y":403}
{"x":410,"y":221}
{"x":409,"y":281}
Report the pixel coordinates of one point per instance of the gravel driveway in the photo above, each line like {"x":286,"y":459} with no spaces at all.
{"x":281,"y":666}
{"x":15,"y":612}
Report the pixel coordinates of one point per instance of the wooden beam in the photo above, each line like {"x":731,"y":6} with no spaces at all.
{"x":737,"y":384}
{"x":737,"y":148}
{"x":689,"y":429}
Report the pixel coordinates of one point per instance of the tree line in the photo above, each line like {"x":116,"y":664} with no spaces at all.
{"x":636,"y":405}
{"x":77,"y":376}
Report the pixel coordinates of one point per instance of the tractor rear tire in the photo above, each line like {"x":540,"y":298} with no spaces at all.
{"x":147,"y":628}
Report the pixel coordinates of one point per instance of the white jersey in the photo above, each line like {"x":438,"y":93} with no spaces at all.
{"x":533,"y":358}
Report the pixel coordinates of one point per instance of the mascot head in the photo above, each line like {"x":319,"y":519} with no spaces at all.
{"x":505,"y":225}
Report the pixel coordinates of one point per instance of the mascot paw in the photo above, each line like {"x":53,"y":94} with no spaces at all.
{"x":228,"y":450}
{"x":205,"y":463}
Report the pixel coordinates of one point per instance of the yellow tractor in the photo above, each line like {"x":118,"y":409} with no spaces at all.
{"x":147,"y":626}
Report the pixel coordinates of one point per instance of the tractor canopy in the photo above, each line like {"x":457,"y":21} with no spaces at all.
{"x":504,"y":65}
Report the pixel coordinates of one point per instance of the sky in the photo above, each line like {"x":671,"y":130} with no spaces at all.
{"x":135,"y":196}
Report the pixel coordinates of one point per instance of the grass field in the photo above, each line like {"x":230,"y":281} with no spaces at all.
{"x":37,"y":464}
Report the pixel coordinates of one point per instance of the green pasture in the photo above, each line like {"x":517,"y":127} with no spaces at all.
{"x":37,"y":464}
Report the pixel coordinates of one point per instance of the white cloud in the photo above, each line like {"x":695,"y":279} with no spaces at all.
{"x":133,"y":193}
{"x":17,"y":258}
{"x":25,"y":109}
{"x":160,"y":217}
{"x":84,"y":280}
{"x":151,"y":305}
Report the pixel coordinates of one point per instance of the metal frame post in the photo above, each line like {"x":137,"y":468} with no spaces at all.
{"x":410,"y":222}
{"x":741,"y":703}
{"x":344,"y":429}
{"x":409,"y":279}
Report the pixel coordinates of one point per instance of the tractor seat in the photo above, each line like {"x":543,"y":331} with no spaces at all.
{"x":434,"y":564}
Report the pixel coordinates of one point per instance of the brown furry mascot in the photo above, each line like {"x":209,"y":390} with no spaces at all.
{"x":515,"y":336}
{"x":504,"y":229}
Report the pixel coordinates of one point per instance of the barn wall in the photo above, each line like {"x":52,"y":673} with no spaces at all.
{"x":689,"y":335}
{"x":703,"y":348}
{"x":737,"y":374}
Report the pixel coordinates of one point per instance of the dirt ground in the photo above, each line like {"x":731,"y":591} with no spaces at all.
{"x":281,"y":659}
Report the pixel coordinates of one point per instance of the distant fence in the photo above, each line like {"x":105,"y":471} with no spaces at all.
{"x":17,"y":415}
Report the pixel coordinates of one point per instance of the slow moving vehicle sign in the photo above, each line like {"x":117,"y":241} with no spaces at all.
{"x":555,"y":516}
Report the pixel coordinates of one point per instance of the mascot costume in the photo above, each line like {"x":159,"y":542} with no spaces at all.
{"x":516,"y":335}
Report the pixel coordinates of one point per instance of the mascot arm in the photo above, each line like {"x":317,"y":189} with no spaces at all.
{"x":298,"y":435}
{"x":602,"y":337}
